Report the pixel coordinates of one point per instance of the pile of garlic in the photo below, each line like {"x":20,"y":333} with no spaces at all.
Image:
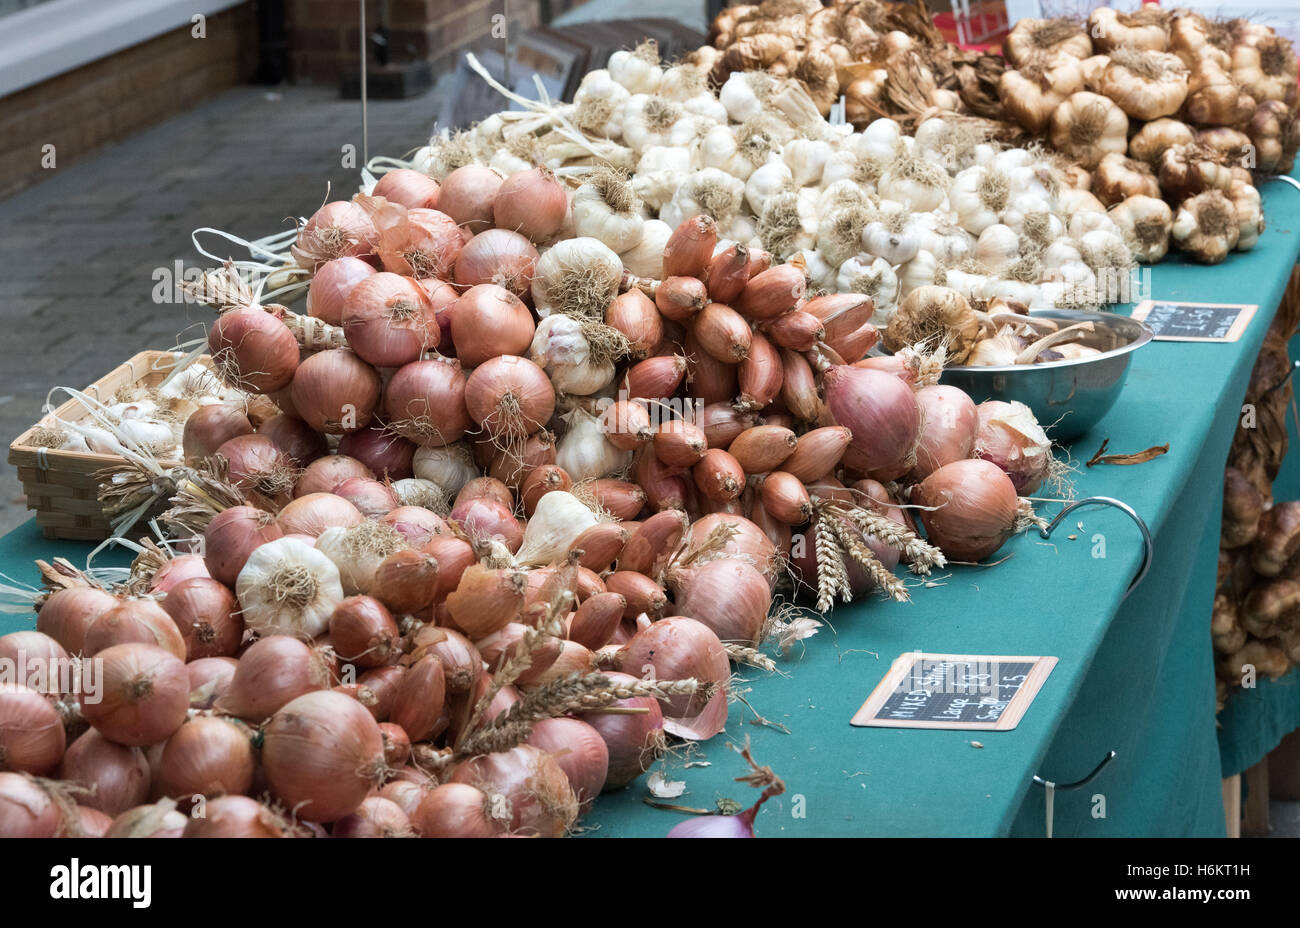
{"x":139,"y":418}
{"x":877,"y":211}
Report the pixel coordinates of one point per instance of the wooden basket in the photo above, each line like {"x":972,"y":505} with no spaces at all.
{"x":61,"y":485}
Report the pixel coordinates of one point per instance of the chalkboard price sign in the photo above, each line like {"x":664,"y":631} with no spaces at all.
{"x":1195,"y":322}
{"x":986,"y":692}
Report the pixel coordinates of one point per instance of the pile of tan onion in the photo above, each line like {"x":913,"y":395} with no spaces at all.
{"x":460,"y":601}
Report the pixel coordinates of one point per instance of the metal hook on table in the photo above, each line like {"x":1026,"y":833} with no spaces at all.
{"x":1149,"y":546}
{"x":1110,"y":756}
{"x":1050,"y":788}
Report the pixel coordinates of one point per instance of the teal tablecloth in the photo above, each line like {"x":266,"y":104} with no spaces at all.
{"x":1134,"y":675}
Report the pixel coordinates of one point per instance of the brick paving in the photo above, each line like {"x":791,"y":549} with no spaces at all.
{"x":80,"y":249}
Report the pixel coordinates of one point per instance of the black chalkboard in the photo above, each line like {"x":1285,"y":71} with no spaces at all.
{"x":955,"y":691}
{"x":1195,"y":322}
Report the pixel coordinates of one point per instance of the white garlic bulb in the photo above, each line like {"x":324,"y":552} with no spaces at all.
{"x":288,"y":587}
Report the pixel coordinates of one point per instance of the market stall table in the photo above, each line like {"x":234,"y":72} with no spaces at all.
{"x":1135,"y":674}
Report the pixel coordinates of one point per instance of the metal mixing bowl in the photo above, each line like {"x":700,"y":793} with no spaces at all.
{"x":1072,"y":394}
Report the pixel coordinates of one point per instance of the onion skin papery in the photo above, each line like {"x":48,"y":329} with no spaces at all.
{"x":323,"y":751}
{"x":975,"y":508}
{"x":146,"y":692}
{"x":68,"y":614}
{"x":731,"y":595}
{"x":579,"y":750}
{"x":635,"y":741}
{"x":882,"y":413}
{"x":1011,"y":438}
{"x":457,"y":810}
{"x":951,"y":422}
{"x":680,"y":648}
{"x":32,"y":739}
{"x":530,"y":783}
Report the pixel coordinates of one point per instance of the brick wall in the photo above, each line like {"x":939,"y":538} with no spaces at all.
{"x":109,"y":99}
{"x":324,"y":34}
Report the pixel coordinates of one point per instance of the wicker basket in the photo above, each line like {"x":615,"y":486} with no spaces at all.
{"x":61,"y":485}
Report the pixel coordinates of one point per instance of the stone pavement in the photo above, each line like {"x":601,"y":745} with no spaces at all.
{"x":80,"y":249}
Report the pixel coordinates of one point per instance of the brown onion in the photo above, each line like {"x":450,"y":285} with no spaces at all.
{"x":487,"y":519}
{"x":797,"y":331}
{"x":32,"y":739}
{"x":883,"y":415}
{"x":468,"y":195}
{"x":26,"y":809}
{"x":406,"y":581}
{"x":723,"y":423}
{"x":975,"y":508}
{"x":728,"y":273}
{"x":453,"y":556}
{"x":680,"y":648}
{"x":634,"y":315}
{"x":711,"y":381}
{"x":653,"y":542}
{"x":510,"y":396}
{"x":727,"y":595}
{"x":772,"y":292}
{"x":407,"y":794}
{"x":681,"y":299}
{"x":210,"y":677}
{"x":389,"y":320}
{"x":679,"y":443}
{"x":207,"y":615}
{"x":763,"y":448}
{"x":372,"y":498}
{"x":335,"y":392}
{"x":1010,"y":437}
{"x":382,"y":684}
{"x":141,"y":621}
{"x":461,"y":661}
{"x":253,"y":350}
{"x":397,"y":744}
{"x":92,"y":823}
{"x":420,"y":697}
{"x":331,"y":283}
{"x":799,"y":388}
{"x":718,"y":475}
{"x":146,"y":692}
{"x":209,"y":427}
{"x":486,"y":599}
{"x":626,"y":425}
{"x":749,"y":541}
{"x":324,"y":474}
{"x":759,"y":374}
{"x":160,"y":820}
{"x":488,"y":321}
{"x":497,"y":256}
{"x":362,"y":632}
{"x":231,"y":536}
{"x":297,"y":440}
{"x":322,"y":753}
{"x":206,"y":756}
{"x":235,"y":817}
{"x":579,"y":750}
{"x":41,"y":654}
{"x":641,"y":593}
{"x":817,"y":453}
{"x":374,"y":818}
{"x":723,"y":333}
{"x":654,"y":378}
{"x":340,"y":228}
{"x":528,"y":782}
{"x":414,"y":523}
{"x":458,"y":810}
{"x":256,"y":464}
{"x":425,"y":402}
{"x":540,"y":481}
{"x":532,"y":203}
{"x":272,"y":672}
{"x":412,"y":189}
{"x":315,"y":512}
{"x":786,"y":499}
{"x":662,"y":484}
{"x":634,"y":740}
{"x":117,"y":776}
{"x":176,"y":570}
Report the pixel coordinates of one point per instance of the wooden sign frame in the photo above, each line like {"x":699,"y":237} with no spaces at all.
{"x":902,"y":666}
{"x":1244,"y":316}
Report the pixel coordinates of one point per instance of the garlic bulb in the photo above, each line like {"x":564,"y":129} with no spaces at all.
{"x":356,"y":551}
{"x":1145,"y":223}
{"x":918,"y":184}
{"x":719,"y":149}
{"x":287,"y":587}
{"x":561,"y":348}
{"x":745,"y":231}
{"x":576,"y":276}
{"x":968,"y":284}
{"x":648,"y":120}
{"x":606,"y":209}
{"x":584,"y":452}
{"x":708,"y":192}
{"x":874,"y":277}
{"x":739,"y":97}
{"x":806,"y":159}
{"x":683,"y":81}
{"x":1082,"y":223}
{"x":1206,"y":227}
{"x":449,"y":467}
{"x":598,"y":104}
{"x":880,"y":140}
{"x":658,"y":174}
{"x":839,"y":234}
{"x":1250,"y":215}
{"x":425,"y":494}
{"x":646,"y":257}
{"x":788,"y":224}
{"x":706,"y":106}
{"x":147,"y":433}
{"x":1060,"y":252}
{"x":768,"y":179}
{"x":638,"y":69}
{"x":978,"y":196}
{"x":921,"y":271}
{"x":884,"y":241}
{"x":998,"y":248}
{"x":555,"y":525}
{"x":1087,"y":126}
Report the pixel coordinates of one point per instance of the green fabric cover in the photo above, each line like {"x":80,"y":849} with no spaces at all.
{"x":1135,"y":675}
